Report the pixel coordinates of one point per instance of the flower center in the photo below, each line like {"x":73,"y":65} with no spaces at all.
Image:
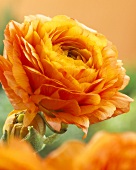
{"x":76,"y":55}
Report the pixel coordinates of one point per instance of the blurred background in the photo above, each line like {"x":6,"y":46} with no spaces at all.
{"x":116,"y":19}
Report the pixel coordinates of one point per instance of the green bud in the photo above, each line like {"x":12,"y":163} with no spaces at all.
{"x":14,"y":127}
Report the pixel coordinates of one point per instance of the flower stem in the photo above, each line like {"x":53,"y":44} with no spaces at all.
{"x":50,"y":139}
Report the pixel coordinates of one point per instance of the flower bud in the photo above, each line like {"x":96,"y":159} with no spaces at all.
{"x":13,"y":126}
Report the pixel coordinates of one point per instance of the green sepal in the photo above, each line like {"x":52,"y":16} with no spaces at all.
{"x":35,"y":139}
{"x":4,"y":136}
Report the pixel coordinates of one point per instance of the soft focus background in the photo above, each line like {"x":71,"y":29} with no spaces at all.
{"x":116,"y":19}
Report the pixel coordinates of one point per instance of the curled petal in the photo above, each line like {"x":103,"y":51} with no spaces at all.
{"x":121,"y":102}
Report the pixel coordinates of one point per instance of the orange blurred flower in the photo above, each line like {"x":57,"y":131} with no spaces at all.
{"x":64,"y":69}
{"x":19,"y":155}
{"x":104,"y":152}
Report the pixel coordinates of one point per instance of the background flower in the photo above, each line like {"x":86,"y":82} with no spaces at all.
{"x":111,"y":151}
{"x":104,"y":151}
{"x":19,"y":155}
{"x":61,"y":67}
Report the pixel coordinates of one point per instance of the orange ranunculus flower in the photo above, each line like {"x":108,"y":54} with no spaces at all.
{"x":104,"y":152}
{"x":64,"y":69}
{"x":19,"y":155}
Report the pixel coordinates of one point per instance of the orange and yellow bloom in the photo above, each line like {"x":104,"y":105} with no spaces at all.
{"x":66,"y":70}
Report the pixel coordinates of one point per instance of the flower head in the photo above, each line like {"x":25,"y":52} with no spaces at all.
{"x":64,"y":69}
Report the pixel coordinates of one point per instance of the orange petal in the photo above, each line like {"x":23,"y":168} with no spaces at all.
{"x":65,"y":94}
{"x":121,"y":102}
{"x":54,"y":122}
{"x":29,"y":116}
{"x":21,"y":77}
{"x":69,"y":106}
{"x":30,"y":53}
{"x":14,"y":86}
{"x":88,"y":109}
{"x":80,"y":121}
{"x":37,"y":79}
{"x":105,"y":111}
{"x":125,"y":82}
{"x":82,"y":98}
{"x":16,"y":100}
